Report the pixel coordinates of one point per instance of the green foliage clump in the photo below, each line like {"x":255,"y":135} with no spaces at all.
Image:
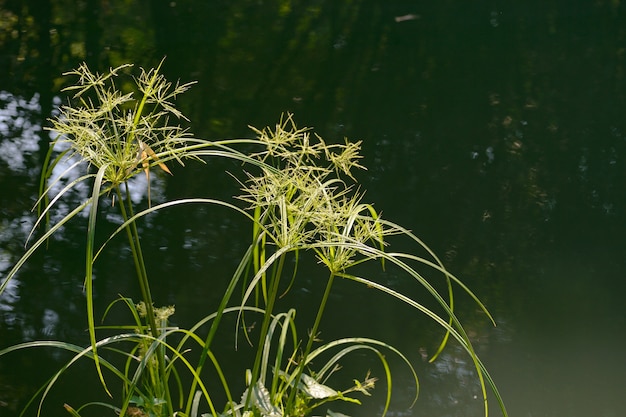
{"x":301,"y":199}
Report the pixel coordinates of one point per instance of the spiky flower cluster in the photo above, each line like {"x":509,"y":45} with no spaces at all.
{"x":121,"y":132}
{"x":303,"y":200}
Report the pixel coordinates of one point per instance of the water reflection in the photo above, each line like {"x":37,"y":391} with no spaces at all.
{"x":19,"y":143}
{"x":495,"y":133}
{"x":24,"y":314}
{"x":20,"y":135}
{"x":8,"y":298}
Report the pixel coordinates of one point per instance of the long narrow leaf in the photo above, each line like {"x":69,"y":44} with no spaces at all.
{"x":359,"y":343}
{"x":40,"y":242}
{"x":91,"y":236}
{"x":165,"y":205}
{"x":460,"y":336}
{"x":45,"y":212}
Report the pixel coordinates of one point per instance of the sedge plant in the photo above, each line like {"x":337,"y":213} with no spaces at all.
{"x":104,"y":139}
{"x":301,"y":198}
{"x":310,"y":203}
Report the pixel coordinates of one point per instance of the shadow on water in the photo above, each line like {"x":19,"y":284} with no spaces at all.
{"x":494,"y":131}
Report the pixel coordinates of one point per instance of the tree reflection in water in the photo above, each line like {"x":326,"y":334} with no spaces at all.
{"x":496,"y":132}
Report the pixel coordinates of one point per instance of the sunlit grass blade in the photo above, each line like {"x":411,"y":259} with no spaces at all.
{"x":169,"y":204}
{"x":113,"y":408}
{"x":46,"y":172}
{"x":288,"y":324}
{"x":45,"y":212}
{"x":275,"y":257}
{"x":222,"y":308}
{"x":91,"y":236}
{"x":363,"y":346}
{"x":78,"y":350}
{"x":459,"y":334}
{"x":43,"y":239}
{"x":357,"y":343}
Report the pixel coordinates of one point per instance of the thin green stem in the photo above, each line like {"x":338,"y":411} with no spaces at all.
{"x":309,"y":345}
{"x":216,"y":321}
{"x":144,"y":285}
{"x":140,"y":267}
{"x":267,"y":318}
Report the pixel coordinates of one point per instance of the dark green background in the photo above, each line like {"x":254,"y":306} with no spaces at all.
{"x":495,"y":130}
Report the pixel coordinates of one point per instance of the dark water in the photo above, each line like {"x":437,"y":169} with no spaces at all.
{"x":495,"y":130}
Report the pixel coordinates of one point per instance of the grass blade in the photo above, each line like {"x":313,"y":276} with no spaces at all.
{"x":91,"y":235}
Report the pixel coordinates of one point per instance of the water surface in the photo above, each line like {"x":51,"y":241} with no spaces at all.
{"x":495,"y":131}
